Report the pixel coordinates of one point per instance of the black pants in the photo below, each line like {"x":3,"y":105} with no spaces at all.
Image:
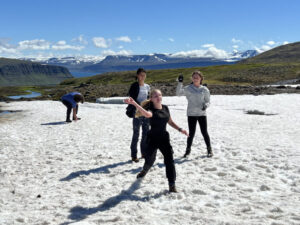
{"x":192,"y":121}
{"x":161,"y":142}
{"x":69,"y":108}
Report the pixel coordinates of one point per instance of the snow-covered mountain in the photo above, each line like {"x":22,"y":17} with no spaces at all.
{"x":97,"y":64}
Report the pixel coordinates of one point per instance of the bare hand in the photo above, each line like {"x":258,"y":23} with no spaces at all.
{"x":129,"y":101}
{"x":185,"y":132}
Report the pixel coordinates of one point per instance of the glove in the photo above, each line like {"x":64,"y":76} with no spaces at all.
{"x":180,"y":78}
{"x":204,"y":107}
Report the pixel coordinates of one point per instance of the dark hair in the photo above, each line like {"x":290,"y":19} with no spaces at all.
{"x":78,"y":98}
{"x":140,"y":70}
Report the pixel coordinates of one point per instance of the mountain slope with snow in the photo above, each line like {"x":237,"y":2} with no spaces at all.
{"x":131,"y":62}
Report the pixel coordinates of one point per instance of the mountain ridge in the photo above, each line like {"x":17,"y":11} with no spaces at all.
{"x":112,"y":63}
{"x":14,"y":72}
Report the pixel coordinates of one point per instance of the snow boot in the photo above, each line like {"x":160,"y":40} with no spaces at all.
{"x":172,"y":188}
{"x":209,"y":152}
{"x":187,"y":152}
{"x":141,"y":174}
{"x":135,"y":159}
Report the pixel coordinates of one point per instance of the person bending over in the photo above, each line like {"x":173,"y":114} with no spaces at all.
{"x":71,"y":101}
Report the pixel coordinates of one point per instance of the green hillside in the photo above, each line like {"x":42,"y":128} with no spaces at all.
{"x":289,"y":53}
{"x":15,"y":72}
{"x":281,"y":63}
{"x":239,"y":74}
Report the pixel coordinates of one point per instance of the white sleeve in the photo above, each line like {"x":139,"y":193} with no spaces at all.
{"x":180,"y":90}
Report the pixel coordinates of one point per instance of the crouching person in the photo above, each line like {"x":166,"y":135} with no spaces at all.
{"x":71,"y":101}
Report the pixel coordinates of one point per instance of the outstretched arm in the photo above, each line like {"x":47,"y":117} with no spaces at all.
{"x":180,"y":89}
{"x":175,"y":126}
{"x":144,"y":112}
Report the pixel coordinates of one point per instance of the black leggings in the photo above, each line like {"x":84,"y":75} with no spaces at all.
{"x":162,"y":143}
{"x":69,"y":108}
{"x":192,"y":121}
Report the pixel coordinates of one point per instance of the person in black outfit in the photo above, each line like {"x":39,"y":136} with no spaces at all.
{"x":158,"y":137}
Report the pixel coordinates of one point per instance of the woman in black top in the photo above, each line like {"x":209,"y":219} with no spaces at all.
{"x":158,"y":137}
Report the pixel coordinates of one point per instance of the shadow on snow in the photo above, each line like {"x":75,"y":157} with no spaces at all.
{"x":78,"y":213}
{"x":103,"y":169}
{"x":55,"y":123}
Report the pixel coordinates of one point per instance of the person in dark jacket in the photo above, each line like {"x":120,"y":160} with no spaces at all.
{"x":139,"y":91}
{"x":158,"y":137}
{"x":71,"y":101}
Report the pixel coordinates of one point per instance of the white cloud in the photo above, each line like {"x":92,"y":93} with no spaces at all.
{"x":62,"y":45}
{"x":37,"y":44}
{"x":271,"y":43}
{"x":81,"y":40}
{"x":285,"y":42}
{"x":4,"y":49}
{"x":235,"y":46}
{"x":171,"y":39}
{"x":120,"y":47}
{"x":263,"y":48}
{"x":138,"y":38}
{"x":111,"y":52}
{"x":100,"y":42}
{"x":236,"y":41}
{"x":211,"y":52}
{"x":208,"y":45}
{"x":124,"y":39}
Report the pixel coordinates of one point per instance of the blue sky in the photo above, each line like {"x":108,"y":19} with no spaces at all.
{"x":44,"y":28}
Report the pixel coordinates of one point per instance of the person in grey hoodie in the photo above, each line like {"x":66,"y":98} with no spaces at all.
{"x":198,"y":97}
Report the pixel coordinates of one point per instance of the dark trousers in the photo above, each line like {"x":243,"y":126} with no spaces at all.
{"x":192,"y":122}
{"x":69,"y":108}
{"x":163,"y":144}
{"x":136,"y":124}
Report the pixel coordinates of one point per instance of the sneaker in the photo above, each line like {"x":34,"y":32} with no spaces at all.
{"x":135,"y":159}
{"x":187,"y":152}
{"x":209,"y":152}
{"x":69,"y":121}
{"x":141,"y":174}
{"x":172,"y":188}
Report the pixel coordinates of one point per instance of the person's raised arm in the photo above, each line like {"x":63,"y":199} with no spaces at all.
{"x":144,"y":112}
{"x":175,"y":126}
{"x":180,"y":89}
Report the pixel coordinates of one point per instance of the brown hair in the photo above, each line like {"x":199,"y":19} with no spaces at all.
{"x":78,"y":98}
{"x":154,"y":91}
{"x":148,"y":104}
{"x":200,"y":75}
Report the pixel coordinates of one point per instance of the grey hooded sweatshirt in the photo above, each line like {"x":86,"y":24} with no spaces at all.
{"x":198,"y":98}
